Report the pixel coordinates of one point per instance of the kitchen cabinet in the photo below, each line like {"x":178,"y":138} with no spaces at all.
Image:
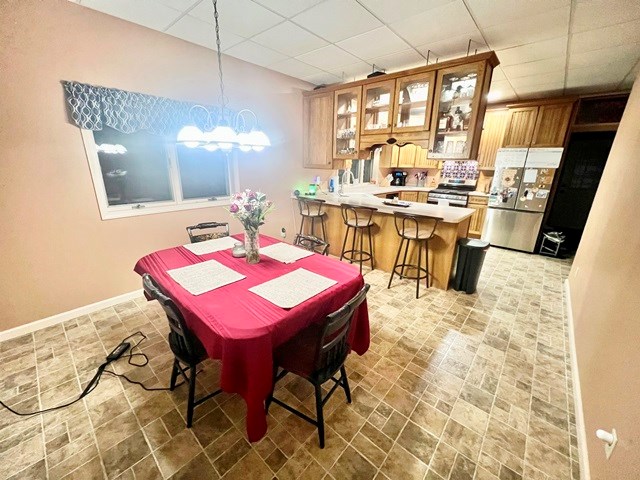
{"x":520,"y":126}
{"x":346,"y":121}
{"x":422,"y":197}
{"x":423,"y":160}
{"x":551,"y":125}
{"x":377,"y":107}
{"x":412,"y":103}
{"x":476,"y":223}
{"x":408,"y":156}
{"x":317,"y":126}
{"x":409,"y":196}
{"x":495,"y":123}
{"x":460,"y":103}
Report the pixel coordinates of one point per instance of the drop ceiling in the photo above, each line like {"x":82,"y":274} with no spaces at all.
{"x":546,"y":47}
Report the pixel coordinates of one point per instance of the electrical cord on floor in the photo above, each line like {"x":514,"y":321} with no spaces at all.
{"x":116,"y":353}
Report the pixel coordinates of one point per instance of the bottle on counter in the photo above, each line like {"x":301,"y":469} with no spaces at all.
{"x":331,"y":186}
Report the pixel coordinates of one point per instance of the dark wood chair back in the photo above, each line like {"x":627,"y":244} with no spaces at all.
{"x":357,"y":216}
{"x":408,"y":225}
{"x":201,"y":237}
{"x":184,"y":344}
{"x":311,"y":207}
{"x":313,"y":244}
{"x":333,"y":346}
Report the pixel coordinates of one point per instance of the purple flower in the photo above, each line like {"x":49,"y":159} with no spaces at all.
{"x":251,"y":195}
{"x":248,"y":207}
{"x":234,"y":208}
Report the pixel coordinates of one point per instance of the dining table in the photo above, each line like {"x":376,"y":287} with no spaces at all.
{"x":242,"y":329}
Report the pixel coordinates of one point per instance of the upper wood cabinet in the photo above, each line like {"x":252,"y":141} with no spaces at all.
{"x":317,"y":126}
{"x":520,"y":125}
{"x":495,"y":123}
{"x":459,"y":101}
{"x":412,"y":102}
{"x":551,"y":125}
{"x":377,"y":107}
{"x":346,"y":121}
{"x":538,"y":126}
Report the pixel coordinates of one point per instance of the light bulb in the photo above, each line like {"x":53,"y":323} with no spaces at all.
{"x":190,"y":136}
{"x":259,"y":140}
{"x":244,"y":139}
{"x":223,"y":134}
{"x":209,"y":142}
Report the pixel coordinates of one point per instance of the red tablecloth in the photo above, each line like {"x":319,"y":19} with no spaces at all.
{"x":241,"y":328}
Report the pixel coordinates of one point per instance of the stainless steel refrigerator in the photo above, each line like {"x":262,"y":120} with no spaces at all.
{"x":518,"y":196}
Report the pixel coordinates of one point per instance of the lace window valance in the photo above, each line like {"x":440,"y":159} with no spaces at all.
{"x":93,"y":107}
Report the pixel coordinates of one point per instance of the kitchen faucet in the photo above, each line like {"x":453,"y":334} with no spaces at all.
{"x":345,"y":179}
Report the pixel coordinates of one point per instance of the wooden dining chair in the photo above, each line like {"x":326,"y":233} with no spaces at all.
{"x":317,"y":354}
{"x":185,"y":346}
{"x":210,"y":235}
{"x":313,"y":244}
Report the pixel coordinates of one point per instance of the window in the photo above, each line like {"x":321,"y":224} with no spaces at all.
{"x":141,"y":173}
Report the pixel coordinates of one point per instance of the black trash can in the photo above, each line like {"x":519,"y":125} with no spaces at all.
{"x":471,"y":253}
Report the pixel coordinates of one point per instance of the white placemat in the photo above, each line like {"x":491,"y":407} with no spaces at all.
{"x":285,"y":253}
{"x":293,"y":288}
{"x":210,"y":246}
{"x":204,"y":277}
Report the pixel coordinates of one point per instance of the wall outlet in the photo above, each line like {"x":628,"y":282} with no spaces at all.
{"x":283,"y":232}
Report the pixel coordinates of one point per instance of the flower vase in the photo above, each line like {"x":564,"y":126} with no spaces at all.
{"x":252,"y":245}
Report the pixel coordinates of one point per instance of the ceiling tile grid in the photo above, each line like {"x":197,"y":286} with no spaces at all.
{"x":545,"y":46}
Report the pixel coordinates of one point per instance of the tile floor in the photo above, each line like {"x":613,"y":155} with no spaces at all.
{"x":454,"y":386}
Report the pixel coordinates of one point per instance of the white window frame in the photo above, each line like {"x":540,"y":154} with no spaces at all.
{"x":109,"y":212}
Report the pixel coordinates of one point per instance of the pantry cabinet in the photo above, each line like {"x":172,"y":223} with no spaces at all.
{"x":317,"y":130}
{"x":495,"y":123}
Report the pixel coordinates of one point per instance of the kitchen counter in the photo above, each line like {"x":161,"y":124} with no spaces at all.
{"x":386,"y":241}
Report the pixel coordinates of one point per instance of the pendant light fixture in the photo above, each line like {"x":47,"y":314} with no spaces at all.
{"x":221,"y":135}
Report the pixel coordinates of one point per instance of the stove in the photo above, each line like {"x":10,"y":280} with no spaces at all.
{"x":459,"y":178}
{"x":457,"y":196}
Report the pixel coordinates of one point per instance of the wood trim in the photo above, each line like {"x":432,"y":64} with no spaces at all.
{"x":389,"y":84}
{"x":595,"y":127}
{"x":357,"y":91}
{"x":426,"y":77}
{"x":489,"y":57}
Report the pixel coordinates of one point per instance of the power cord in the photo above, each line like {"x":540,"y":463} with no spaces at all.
{"x":123,"y":347}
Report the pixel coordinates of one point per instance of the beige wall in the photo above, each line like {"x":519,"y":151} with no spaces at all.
{"x":605,"y":299}
{"x":57,"y":252}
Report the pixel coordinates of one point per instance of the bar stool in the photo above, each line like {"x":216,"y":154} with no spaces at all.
{"x":311,"y":208}
{"x":420,"y":229}
{"x":358,"y":219}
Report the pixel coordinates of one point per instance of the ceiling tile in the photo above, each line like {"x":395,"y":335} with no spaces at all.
{"x":241,"y":17}
{"x":447,"y":21}
{"x":289,"y":39}
{"x":619,"y":54}
{"x":497,"y":12}
{"x":143,"y":12}
{"x":323,"y":78}
{"x":592,"y":14}
{"x":621,"y":34}
{"x":498,"y":74}
{"x":533,"y":80}
{"x":544,"y":26}
{"x":252,"y":52}
{"x":555,"y":47}
{"x":598,"y":74}
{"x":374,"y":43}
{"x":202,"y":33}
{"x":389,"y":11}
{"x":288,"y":8}
{"x":295,"y":68}
{"x":501,"y":90}
{"x":328,"y":58}
{"x":454,"y":47}
{"x":335,"y":20}
{"x":356,"y":71}
{"x":399,"y":61}
{"x":535,"y":68}
{"x":181,"y":5}
{"x":543,"y":91}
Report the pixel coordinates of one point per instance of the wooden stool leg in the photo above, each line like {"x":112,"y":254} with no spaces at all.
{"x":393,"y":270}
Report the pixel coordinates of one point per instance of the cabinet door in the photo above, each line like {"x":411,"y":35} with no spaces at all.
{"x":551,"y":125}
{"x":477,"y":220}
{"x":422,"y":197}
{"x":346,"y":136}
{"x":407,"y":156}
{"x":409,"y":196}
{"x":495,"y":123}
{"x":412,"y":106}
{"x":389,"y":156}
{"x":317,"y":116}
{"x":377,"y":108}
{"x":459,"y":91}
{"x":520,"y":126}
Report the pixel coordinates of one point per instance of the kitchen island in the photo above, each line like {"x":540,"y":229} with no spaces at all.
{"x":442,"y":248}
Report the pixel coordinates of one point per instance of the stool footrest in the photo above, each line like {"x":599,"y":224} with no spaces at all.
{"x":350,"y":254}
{"x":418,"y":276}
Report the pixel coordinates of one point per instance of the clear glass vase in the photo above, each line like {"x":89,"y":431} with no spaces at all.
{"x":252,"y":244}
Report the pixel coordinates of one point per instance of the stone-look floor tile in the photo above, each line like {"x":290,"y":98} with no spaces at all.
{"x":463,"y":469}
{"x":429,"y":418}
{"x":333,"y":448}
{"x":147,"y":468}
{"x":403,"y":465}
{"x":91,"y":469}
{"x":71,"y":463}
{"x":353,"y":465}
{"x":230,"y":457}
{"x":36,"y":471}
{"x":506,"y":437}
{"x":443,"y":460}
{"x":418,"y":442}
{"x":346,"y":422}
{"x":296,"y":465}
{"x":462,"y":439}
{"x":547,"y":460}
{"x":470,"y":416}
{"x":367,"y":448}
{"x":21,"y":456}
{"x":177,"y":452}
{"x":125,"y":454}
{"x":275,"y":460}
{"x":113,"y":431}
{"x":198,"y":467}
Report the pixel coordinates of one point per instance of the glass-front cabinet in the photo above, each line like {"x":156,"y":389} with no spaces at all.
{"x":413,"y":97}
{"x":346,"y":117}
{"x":454,"y":116}
{"x":377,"y":107}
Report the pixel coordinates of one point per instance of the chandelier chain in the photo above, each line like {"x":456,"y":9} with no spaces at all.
{"x":219,"y":51}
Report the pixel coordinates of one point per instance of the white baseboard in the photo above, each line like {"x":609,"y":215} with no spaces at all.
{"x":64,"y":316}
{"x":585,"y":474}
